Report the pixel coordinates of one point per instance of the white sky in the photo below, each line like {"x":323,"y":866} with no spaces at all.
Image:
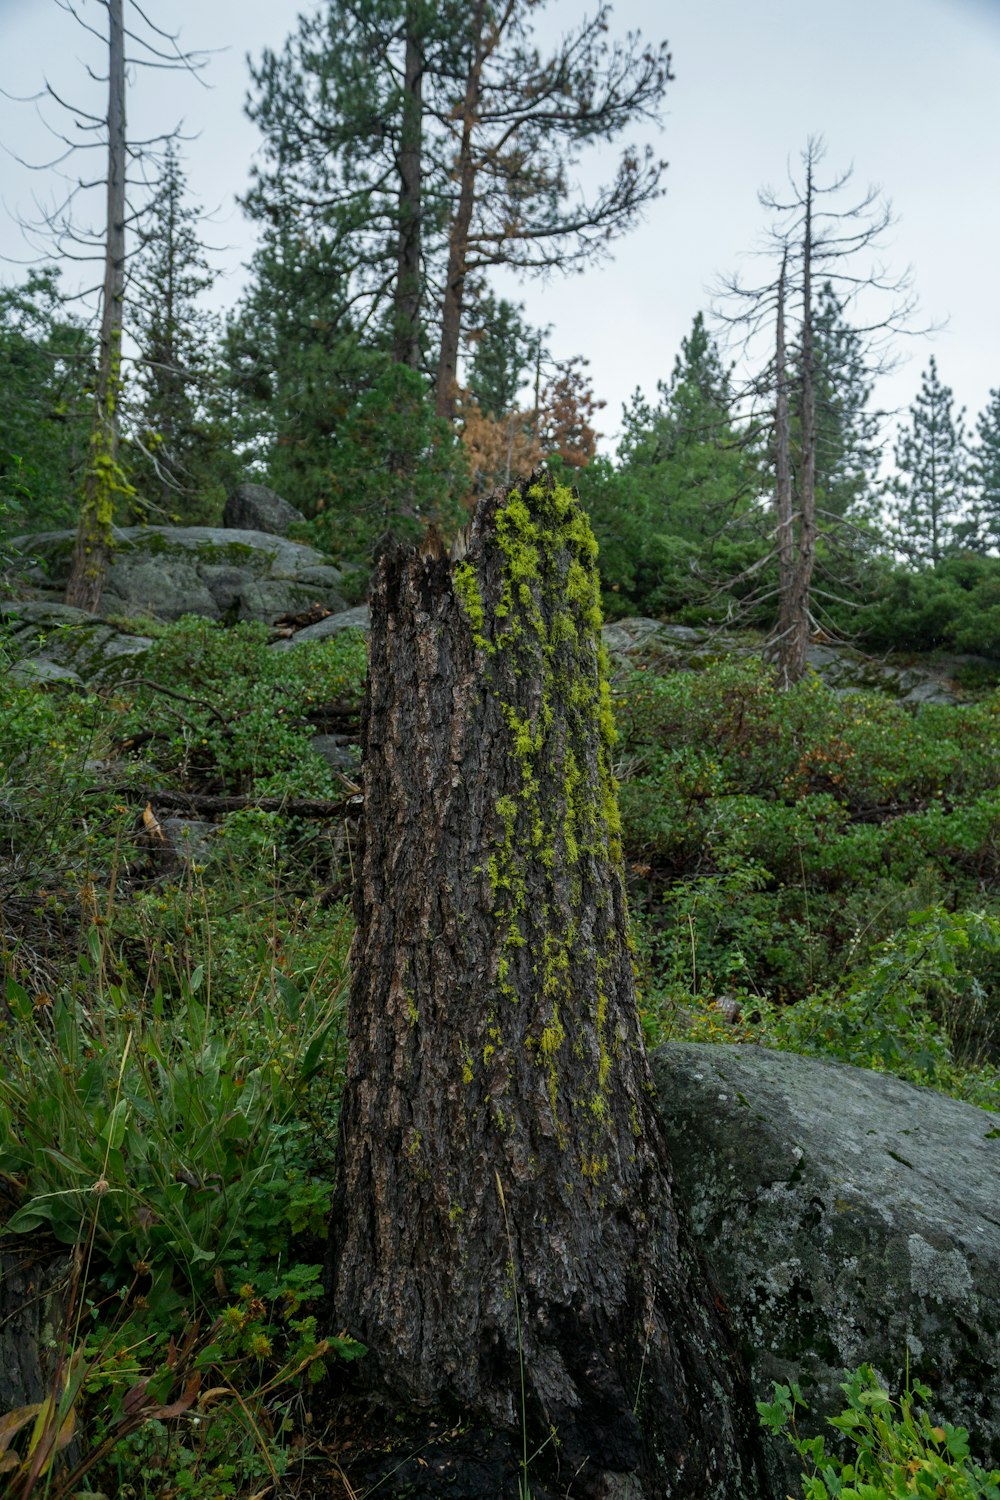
{"x":906,"y":90}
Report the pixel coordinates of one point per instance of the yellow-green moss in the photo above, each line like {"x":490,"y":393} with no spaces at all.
{"x":546,"y":535}
{"x":467,"y":590}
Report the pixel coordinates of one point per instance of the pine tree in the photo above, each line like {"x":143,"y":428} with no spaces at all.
{"x":171,"y":469}
{"x":687,"y":452}
{"x":503,"y":351}
{"x":984,"y":475}
{"x":846,"y":431}
{"x":346,"y":433}
{"x":46,"y":371}
{"x":432,"y":141}
{"x":104,"y":479}
{"x":343,"y":110}
{"x":931,"y":482}
{"x":686,"y":473}
{"x":814,"y":243}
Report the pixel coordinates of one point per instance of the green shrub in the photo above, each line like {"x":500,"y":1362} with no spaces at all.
{"x":169,"y":1132}
{"x":896,"y":1450}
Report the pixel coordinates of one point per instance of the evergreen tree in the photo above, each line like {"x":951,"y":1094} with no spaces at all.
{"x":171,"y":470}
{"x":846,"y":431}
{"x":930,"y":486}
{"x":663,"y":515}
{"x":503,"y":350}
{"x":687,"y":450}
{"x":46,"y":372}
{"x":337,"y":426}
{"x":436,"y":139}
{"x":984,"y":475}
{"x":554,"y":422}
{"x":500,"y":437}
{"x":293,"y":359}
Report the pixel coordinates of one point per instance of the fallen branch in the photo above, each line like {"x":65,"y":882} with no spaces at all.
{"x":296,"y":807}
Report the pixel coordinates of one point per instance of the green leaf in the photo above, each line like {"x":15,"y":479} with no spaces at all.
{"x":26,"y":1219}
{"x":290,"y":994}
{"x":18,"y":1000}
{"x":313,"y":1056}
{"x":114,"y":1131}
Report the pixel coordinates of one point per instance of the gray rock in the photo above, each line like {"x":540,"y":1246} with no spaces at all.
{"x":270,"y":599}
{"x":338,"y":751}
{"x":849,"y":1217}
{"x":169,"y":571}
{"x":358,"y":618}
{"x":38,"y":670}
{"x":840,"y":667}
{"x":253,"y":507}
{"x":56,"y":643}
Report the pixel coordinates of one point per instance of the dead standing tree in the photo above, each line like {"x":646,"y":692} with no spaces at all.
{"x":813,"y":243}
{"x":61,"y":232}
{"x":503,"y":1236}
{"x":103,"y":478}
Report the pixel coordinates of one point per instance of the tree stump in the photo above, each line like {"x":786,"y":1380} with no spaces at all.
{"x":503,"y":1235}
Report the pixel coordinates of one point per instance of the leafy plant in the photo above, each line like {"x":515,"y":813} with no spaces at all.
{"x":896,"y":1450}
{"x":183,"y":1134}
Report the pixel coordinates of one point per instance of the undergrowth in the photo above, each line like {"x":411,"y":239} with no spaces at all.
{"x":807,"y":871}
{"x":172,"y":1046}
{"x":816,"y":872}
{"x":894,"y":1450}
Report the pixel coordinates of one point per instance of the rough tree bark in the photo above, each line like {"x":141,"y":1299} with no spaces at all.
{"x":92,"y":549}
{"x":503,"y":1227}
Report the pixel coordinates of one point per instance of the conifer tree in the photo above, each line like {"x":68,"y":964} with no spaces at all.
{"x":139,"y":44}
{"x":46,"y":371}
{"x":503,"y":350}
{"x":814,"y":242}
{"x":693,"y":463}
{"x":432,"y":141}
{"x":930,"y":486}
{"x":686,"y":472}
{"x":175,"y":336}
{"x":984,"y":475}
{"x":846,"y":429}
{"x":346,"y":433}
{"x":104,"y":479}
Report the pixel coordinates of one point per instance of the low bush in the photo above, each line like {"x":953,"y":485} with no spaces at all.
{"x":895,"y":1448}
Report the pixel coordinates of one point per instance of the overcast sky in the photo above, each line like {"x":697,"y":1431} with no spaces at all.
{"x":908,"y":91}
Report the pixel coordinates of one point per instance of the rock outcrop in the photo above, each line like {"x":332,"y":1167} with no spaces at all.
{"x":848,"y":1217}
{"x":253,"y":507}
{"x":841,"y":667}
{"x":169,"y":571}
{"x":58,"y":644}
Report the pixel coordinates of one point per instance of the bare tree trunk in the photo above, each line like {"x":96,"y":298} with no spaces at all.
{"x":458,"y":236}
{"x":93,"y":539}
{"x":784,"y":528}
{"x":503,"y":1235}
{"x":406,"y":337}
{"x":793,"y":637}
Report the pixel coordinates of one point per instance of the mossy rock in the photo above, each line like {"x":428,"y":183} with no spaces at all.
{"x":56,"y":644}
{"x":170,"y":571}
{"x":849,"y":1217}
